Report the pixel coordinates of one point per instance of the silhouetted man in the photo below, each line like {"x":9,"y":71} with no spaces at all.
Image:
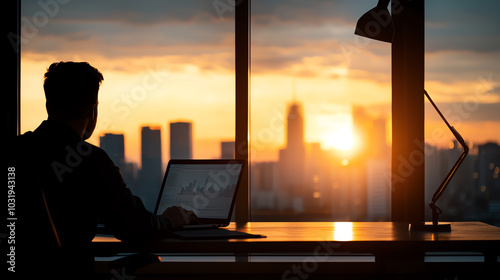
{"x":64,"y":185}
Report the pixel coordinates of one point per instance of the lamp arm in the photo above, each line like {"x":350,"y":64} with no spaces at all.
{"x":448,"y":177}
{"x":457,"y":164}
{"x":440,"y":114}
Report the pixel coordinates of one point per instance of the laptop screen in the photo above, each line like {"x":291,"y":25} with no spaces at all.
{"x":206,"y":187}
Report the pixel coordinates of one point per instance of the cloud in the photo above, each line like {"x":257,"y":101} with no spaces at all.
{"x":145,"y":12}
{"x":128,"y":29}
{"x":107,"y":31}
{"x":462,"y":25}
{"x":311,"y":12}
{"x":462,"y":39}
{"x":457,"y":113}
{"x":456,"y":65}
{"x":312,"y":56}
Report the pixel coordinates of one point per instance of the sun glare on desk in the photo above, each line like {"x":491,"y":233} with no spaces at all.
{"x":342,"y":231}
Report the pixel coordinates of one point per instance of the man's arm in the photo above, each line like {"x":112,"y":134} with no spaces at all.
{"x":121,"y":211}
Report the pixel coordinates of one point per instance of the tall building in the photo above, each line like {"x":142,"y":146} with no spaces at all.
{"x":378,"y":189}
{"x":263,"y":192}
{"x":377,"y":169}
{"x":292,"y":163}
{"x":114,"y":145}
{"x":151,"y":149}
{"x":363,"y":127}
{"x":295,"y":127}
{"x":151,"y":170}
{"x":380,"y":147}
{"x":487,"y":189}
{"x":317,"y":178}
{"x":181,"y":140}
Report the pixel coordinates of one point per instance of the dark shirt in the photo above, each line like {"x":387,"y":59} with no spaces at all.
{"x":82,"y":186}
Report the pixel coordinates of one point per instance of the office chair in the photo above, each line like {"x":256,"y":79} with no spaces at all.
{"x":127,"y":264}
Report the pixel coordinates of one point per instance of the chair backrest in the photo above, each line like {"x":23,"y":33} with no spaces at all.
{"x":36,"y":209}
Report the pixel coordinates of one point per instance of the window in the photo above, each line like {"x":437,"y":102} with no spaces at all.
{"x":168,"y":67}
{"x":320,"y":99}
{"x":320,"y":109}
{"x":463,"y":79}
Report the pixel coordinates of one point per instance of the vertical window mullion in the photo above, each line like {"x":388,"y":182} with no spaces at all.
{"x":242,"y":76}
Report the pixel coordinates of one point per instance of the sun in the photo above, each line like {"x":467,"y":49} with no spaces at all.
{"x":340,"y":139}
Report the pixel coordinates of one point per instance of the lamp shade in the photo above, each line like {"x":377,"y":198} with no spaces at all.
{"x":376,"y":23}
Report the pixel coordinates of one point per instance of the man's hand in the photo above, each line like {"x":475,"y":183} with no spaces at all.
{"x":179,"y":216}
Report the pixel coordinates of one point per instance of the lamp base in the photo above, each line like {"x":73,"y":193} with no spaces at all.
{"x":431,"y":227}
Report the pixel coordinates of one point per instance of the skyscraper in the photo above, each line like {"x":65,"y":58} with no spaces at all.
{"x":181,"y":140}
{"x":114,"y":145}
{"x":378,"y":189}
{"x":151,"y":170}
{"x":295,"y":127}
{"x":292,"y":162}
{"x":263,"y":191}
{"x":364,"y":127}
{"x":488,"y":181}
{"x":151,"y":149}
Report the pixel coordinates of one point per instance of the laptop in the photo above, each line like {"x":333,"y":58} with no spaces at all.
{"x":206,"y":187}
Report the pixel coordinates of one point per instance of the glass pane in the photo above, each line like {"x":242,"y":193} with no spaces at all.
{"x":463,"y":78}
{"x":168,"y":71}
{"x":320,"y":108}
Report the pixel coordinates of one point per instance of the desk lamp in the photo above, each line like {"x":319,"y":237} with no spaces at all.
{"x":377,"y":24}
{"x":435,"y":210}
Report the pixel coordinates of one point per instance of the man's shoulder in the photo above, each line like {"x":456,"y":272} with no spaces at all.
{"x":32,"y":140}
{"x":31,"y":143}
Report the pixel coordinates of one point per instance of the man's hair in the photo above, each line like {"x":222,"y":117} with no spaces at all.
{"x":71,"y":88}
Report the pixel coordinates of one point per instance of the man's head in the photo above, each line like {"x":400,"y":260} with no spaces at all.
{"x":71,"y":91}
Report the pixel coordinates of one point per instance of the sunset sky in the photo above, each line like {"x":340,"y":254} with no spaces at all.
{"x":166,"y":61}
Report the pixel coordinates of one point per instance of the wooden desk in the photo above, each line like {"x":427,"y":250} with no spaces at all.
{"x":393,"y":247}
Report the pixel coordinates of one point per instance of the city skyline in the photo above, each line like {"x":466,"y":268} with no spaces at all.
{"x":226,"y":147}
{"x":310,"y":182}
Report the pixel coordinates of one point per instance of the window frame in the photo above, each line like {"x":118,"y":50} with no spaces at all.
{"x":407,"y":199}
